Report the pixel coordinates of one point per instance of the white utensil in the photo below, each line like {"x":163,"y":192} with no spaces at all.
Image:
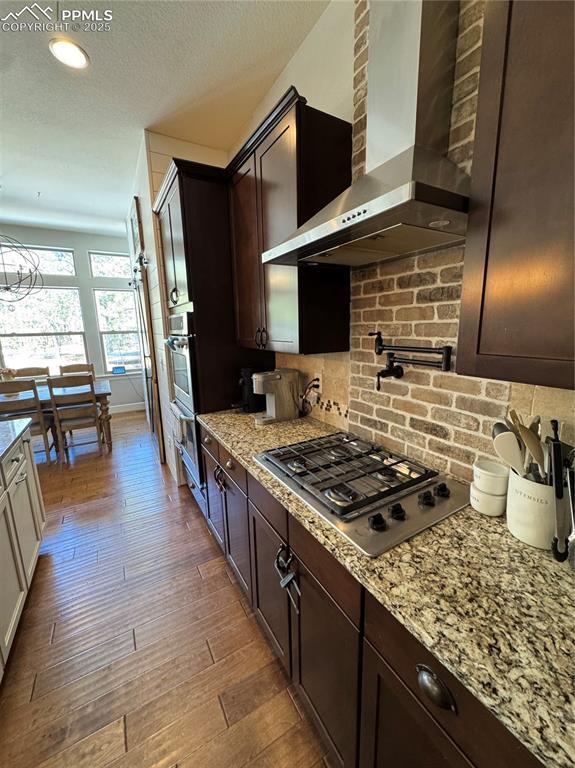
{"x":507,"y":448}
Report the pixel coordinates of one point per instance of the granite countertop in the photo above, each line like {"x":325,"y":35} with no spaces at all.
{"x":10,"y":431}
{"x":497,"y":613}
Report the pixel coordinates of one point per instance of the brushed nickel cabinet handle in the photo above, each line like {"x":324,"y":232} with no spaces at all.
{"x":230,"y":464}
{"x":207,"y":440}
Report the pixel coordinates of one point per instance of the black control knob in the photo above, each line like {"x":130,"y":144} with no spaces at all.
{"x":397,"y":511}
{"x":442,"y":490}
{"x":377,"y":522}
{"x":426,"y":499}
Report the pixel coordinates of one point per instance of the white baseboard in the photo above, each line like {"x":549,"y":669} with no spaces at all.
{"x":128,"y":407}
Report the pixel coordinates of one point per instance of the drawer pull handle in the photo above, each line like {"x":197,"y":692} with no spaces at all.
{"x":434,"y":688}
{"x":17,"y":459}
{"x":229,"y":464}
{"x":283,"y":561}
{"x":21,"y":479}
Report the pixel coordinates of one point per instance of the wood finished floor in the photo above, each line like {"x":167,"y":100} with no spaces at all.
{"x":136,"y":648}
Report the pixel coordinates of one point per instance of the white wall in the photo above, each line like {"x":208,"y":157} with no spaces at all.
{"x":321,"y":69}
{"x":127,"y":393}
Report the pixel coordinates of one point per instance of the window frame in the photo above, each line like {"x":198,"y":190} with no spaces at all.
{"x":108,"y":253}
{"x":84,"y":282}
{"x":33,"y":334}
{"x":54,"y":248}
{"x":102,"y":333}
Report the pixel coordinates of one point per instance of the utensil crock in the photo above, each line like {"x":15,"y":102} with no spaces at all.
{"x":531,"y":511}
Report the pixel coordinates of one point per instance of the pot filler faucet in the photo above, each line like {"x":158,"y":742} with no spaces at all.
{"x":281,"y":390}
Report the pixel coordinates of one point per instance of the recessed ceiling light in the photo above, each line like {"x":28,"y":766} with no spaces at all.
{"x":69,"y":53}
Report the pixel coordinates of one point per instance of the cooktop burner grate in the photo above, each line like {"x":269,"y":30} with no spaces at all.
{"x":346,"y":473}
{"x":375,"y":498}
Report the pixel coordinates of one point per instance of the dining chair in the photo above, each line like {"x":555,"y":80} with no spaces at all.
{"x":75,"y":407}
{"x":19,"y":400}
{"x":31,"y":373}
{"x":77,"y":368}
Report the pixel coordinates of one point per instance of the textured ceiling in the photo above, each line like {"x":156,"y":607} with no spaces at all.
{"x":193,"y":70}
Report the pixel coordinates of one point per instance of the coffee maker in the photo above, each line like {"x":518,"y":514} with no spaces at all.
{"x":251,"y":402}
{"x":282,"y":394}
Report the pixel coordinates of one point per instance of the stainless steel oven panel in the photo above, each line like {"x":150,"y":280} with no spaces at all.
{"x":181,"y":349}
{"x":188,"y":443}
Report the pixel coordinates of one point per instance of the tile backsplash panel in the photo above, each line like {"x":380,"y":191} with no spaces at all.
{"x":443,"y":419}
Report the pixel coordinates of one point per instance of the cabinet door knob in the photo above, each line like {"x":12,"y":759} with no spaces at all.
{"x":264,"y":337}
{"x":434,"y":688}
{"x":207,"y":440}
{"x":258,"y":337}
{"x":230,"y":464}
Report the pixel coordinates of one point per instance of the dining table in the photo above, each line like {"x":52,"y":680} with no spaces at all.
{"x":102,"y":390}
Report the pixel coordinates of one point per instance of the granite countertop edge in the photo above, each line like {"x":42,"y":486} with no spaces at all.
{"x":470,"y":652}
{"x":11,"y":431}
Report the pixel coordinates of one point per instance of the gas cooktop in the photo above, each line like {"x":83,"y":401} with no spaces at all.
{"x":374,"y":497}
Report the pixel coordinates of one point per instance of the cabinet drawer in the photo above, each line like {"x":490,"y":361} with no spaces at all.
{"x":28,"y":528}
{"x":210,"y":443}
{"x":333,"y":577}
{"x":269,"y":508}
{"x":13,"y":585}
{"x":13,"y":460}
{"x":478,"y":733}
{"x":234,"y":469}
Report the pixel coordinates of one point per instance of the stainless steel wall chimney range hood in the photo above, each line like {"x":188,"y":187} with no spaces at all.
{"x":412,"y":197}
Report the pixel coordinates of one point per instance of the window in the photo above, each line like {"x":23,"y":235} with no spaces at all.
{"x":46,"y":329}
{"x":118,"y":328}
{"x":110,"y":265}
{"x":86,"y":312}
{"x":54,"y":261}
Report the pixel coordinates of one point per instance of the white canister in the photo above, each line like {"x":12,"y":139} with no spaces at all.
{"x":490,"y":477}
{"x":531,"y":511}
{"x":487,"y":503}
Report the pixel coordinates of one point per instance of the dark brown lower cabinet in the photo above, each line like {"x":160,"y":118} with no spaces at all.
{"x":269,"y":600}
{"x":395,"y":729}
{"x":330,"y":635}
{"x":215,"y":502}
{"x":237,"y":530}
{"x":325,"y":663}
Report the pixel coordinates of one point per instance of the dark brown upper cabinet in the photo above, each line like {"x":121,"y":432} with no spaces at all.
{"x":172,"y":237}
{"x":248,"y":289}
{"x":193,"y":213}
{"x":297,"y":161}
{"x":517,"y":311}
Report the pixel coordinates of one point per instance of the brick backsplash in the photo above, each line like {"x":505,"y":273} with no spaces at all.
{"x":360,"y":53}
{"x":440,"y":418}
{"x":443,"y":419}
